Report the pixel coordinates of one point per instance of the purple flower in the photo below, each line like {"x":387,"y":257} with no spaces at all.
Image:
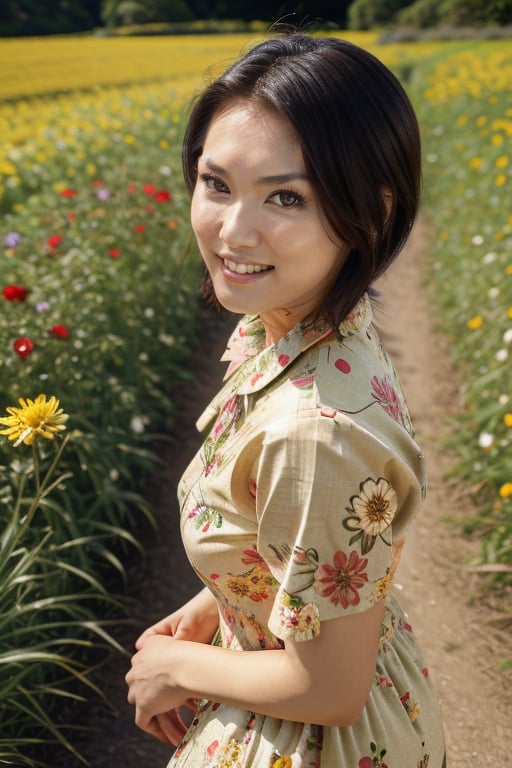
{"x":12,"y":239}
{"x":43,"y":306}
{"x":102,"y":194}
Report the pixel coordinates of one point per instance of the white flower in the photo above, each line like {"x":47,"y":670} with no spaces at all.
{"x":489,"y":257}
{"x":477,"y":240}
{"x":507,"y":336}
{"x":485,"y":440}
{"x":501,"y":355}
{"x":493,"y":292}
{"x":137,"y":424}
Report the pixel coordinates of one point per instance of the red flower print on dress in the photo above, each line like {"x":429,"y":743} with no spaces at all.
{"x":342,"y":580}
{"x":376,"y":761}
{"x":283,"y":360}
{"x":60,"y":331}
{"x":15,"y":292}
{"x":23,"y":346}
{"x":211,"y":749}
{"x":385,"y":394}
{"x":253,"y":557}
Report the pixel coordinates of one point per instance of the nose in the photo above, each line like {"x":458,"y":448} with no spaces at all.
{"x":239,"y":227}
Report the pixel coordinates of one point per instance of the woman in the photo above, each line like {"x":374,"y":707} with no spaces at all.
{"x":303,"y":161}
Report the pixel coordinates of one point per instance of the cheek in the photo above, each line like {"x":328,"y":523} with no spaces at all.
{"x":203,"y":218}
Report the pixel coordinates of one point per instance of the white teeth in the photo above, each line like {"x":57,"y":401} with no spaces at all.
{"x":244,"y":269}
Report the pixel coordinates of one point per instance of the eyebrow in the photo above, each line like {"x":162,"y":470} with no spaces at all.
{"x":280,"y":178}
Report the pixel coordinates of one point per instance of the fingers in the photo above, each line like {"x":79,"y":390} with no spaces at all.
{"x":162,"y":627}
{"x":172,"y":726}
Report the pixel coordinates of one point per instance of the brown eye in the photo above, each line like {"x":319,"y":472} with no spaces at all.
{"x":286,"y":198}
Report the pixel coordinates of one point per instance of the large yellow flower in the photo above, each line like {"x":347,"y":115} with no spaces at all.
{"x":35,"y":418}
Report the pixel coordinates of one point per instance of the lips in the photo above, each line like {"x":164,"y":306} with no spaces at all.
{"x":245,"y":269}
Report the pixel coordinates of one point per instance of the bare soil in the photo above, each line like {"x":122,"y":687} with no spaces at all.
{"x":465,"y":639}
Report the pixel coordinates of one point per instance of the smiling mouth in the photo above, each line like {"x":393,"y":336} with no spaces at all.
{"x":245,"y":269}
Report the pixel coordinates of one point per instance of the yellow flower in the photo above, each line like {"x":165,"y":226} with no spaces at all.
{"x":35,"y":418}
{"x":475,"y":322}
{"x":507,"y":418}
{"x":475,"y":163}
{"x":502,"y":161}
{"x":282,"y":762}
{"x":500,"y":180}
{"x":506,"y":490}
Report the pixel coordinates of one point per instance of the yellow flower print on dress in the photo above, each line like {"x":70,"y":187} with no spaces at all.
{"x":257,"y":583}
{"x":371,"y":512}
{"x":412,"y":709}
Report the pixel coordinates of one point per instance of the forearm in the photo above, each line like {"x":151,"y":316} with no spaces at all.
{"x":325,"y":681}
{"x":271,"y":682}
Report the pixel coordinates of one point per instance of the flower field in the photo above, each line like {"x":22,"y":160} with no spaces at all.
{"x":99,"y":307}
{"x":466,"y":115}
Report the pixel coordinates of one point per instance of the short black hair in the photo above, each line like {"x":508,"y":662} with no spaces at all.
{"x":359,"y":137}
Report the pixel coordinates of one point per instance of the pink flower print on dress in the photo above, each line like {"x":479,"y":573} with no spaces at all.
{"x":342,"y":580}
{"x":385,"y":394}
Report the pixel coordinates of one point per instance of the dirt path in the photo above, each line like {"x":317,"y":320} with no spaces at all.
{"x":463,"y":647}
{"x":458,"y":632}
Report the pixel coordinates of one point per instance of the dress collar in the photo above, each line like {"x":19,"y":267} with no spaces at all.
{"x":248,"y":343}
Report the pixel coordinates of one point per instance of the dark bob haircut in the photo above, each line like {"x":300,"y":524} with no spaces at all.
{"x":359,"y":138}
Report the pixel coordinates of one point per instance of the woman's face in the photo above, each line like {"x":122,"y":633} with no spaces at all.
{"x":257,"y":221}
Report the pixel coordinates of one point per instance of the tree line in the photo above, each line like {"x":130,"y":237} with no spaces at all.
{"x":45,"y":17}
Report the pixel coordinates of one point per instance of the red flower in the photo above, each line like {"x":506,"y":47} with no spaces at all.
{"x":60,"y":331}
{"x":140,"y":228}
{"x":23,"y":346}
{"x":150,"y":208}
{"x":70,"y":216}
{"x":97,"y":183}
{"x":114,"y":253}
{"x":342,"y":580}
{"x":67,"y":193}
{"x":131,"y":188}
{"x":15,"y":292}
{"x":54,"y":241}
{"x":163,"y":196}
{"x":149,"y":189}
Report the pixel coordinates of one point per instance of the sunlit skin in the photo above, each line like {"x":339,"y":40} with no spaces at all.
{"x":257,"y":221}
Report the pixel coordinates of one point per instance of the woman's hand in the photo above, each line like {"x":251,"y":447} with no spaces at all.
{"x":197,"y":620}
{"x":154,"y":692}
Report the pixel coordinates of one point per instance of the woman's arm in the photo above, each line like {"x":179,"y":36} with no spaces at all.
{"x":197,"y":620}
{"x":325,"y":681}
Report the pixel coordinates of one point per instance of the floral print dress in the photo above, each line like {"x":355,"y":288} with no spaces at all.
{"x":293,"y":513}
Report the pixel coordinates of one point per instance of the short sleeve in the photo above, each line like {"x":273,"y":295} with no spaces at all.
{"x":330,"y":498}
